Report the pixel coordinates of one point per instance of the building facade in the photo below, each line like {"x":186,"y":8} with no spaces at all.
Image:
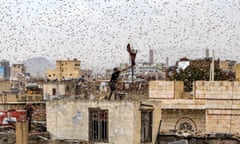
{"x":56,"y":89}
{"x":4,"y":70}
{"x":18,"y":77}
{"x":143,"y":71}
{"x":17,"y":71}
{"x":212,"y":107}
{"x":65,"y":69}
{"x":237,"y":71}
{"x":125,"y":122}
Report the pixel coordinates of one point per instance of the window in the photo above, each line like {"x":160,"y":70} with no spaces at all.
{"x":30,"y":98}
{"x":146,"y":126}
{"x":98,"y":125}
{"x":67,"y":89}
{"x":186,"y":124}
{"x":54,"y":91}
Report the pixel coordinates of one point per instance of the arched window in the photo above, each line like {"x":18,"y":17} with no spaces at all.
{"x":186,"y":124}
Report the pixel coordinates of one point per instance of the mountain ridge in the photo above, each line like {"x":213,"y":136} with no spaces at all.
{"x":38,"y":66}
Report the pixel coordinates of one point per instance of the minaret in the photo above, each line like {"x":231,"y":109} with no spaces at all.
{"x":212,"y":68}
{"x":167,"y":61}
{"x":150,"y":56}
{"x":207,"y":53}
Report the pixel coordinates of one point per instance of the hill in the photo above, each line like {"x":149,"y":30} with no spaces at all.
{"x":38,"y":66}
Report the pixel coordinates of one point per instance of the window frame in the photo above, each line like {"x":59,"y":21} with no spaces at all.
{"x":144,"y":138}
{"x":99,"y":129}
{"x":54,"y":91}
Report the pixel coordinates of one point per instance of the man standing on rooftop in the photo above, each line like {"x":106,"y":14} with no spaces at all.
{"x":117,"y":71}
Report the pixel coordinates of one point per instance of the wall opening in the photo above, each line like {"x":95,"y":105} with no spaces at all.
{"x":54,"y":91}
{"x":186,"y":125}
{"x":146,"y":125}
{"x":98,"y":125}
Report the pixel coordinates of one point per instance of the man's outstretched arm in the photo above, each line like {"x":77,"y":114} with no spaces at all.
{"x":126,"y":68}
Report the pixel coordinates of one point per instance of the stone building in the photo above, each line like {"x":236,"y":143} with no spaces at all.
{"x":228,"y":65}
{"x":86,"y":74}
{"x":65,"y":69}
{"x":56,"y":89}
{"x":143,"y":71}
{"x":13,"y":99}
{"x":119,"y":122}
{"x":237,"y":71}
{"x":17,"y":72}
{"x":4,"y":70}
{"x":5,"y":85}
{"x":212,"y":107}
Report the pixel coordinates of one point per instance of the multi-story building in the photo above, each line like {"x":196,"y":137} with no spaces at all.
{"x":4,"y":69}
{"x":86,"y":74}
{"x":14,"y":99}
{"x":17,"y":71}
{"x":228,"y":65}
{"x":65,"y":69}
{"x":18,"y":78}
{"x":210,"y":113}
{"x":141,"y":70}
{"x":146,"y":70}
{"x":184,"y":62}
{"x":56,"y":89}
{"x":237,"y":71}
{"x":200,"y":63}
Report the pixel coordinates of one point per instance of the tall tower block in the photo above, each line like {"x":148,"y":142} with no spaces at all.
{"x":207,"y":53}
{"x":151,"y":56}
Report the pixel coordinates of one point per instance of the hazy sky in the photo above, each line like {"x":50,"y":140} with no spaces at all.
{"x":97,"y":31}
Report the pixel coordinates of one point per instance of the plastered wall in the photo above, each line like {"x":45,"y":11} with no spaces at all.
{"x":69,"y":119}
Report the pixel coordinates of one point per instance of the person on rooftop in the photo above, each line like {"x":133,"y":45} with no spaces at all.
{"x":114,"y":78}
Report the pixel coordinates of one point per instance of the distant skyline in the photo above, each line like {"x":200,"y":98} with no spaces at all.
{"x":97,"y":31}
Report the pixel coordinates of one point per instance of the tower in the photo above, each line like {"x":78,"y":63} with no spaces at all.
{"x":4,"y":69}
{"x":207,"y":53}
{"x":212,"y":68}
{"x":167,"y":61}
{"x":151,"y":56}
